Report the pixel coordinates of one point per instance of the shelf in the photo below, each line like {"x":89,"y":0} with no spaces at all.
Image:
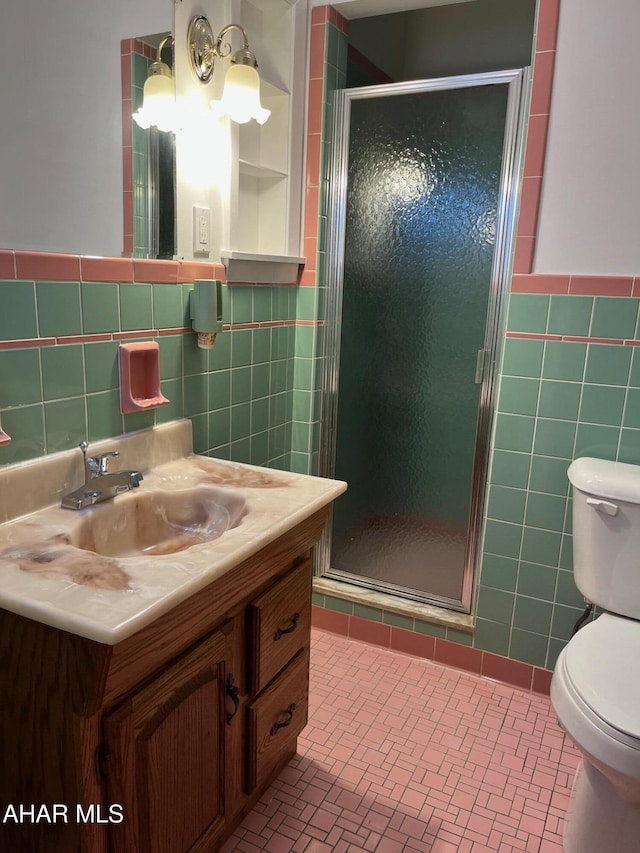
{"x":263,"y":236}
{"x":248,"y":267}
{"x":265,"y":145}
{"x":255,"y":170}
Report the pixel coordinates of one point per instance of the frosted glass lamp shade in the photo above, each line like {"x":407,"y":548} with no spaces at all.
{"x":241,"y":96}
{"x":159,"y":102}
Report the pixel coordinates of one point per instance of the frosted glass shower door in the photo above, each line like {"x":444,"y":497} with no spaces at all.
{"x":422,"y":200}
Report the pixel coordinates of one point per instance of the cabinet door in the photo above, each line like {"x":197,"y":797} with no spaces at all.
{"x":166,"y":756}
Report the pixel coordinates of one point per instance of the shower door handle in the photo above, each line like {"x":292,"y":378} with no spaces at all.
{"x":482,"y":360}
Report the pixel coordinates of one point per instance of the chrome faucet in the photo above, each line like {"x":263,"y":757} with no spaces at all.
{"x":99,"y":484}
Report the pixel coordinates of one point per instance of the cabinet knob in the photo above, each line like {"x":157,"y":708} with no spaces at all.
{"x":292,"y":627}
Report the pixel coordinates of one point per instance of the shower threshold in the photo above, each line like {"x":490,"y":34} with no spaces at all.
{"x":325,"y":587}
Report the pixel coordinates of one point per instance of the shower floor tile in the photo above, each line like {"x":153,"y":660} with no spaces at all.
{"x":402,"y":754}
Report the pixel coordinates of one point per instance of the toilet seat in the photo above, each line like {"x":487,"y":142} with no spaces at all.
{"x":595,"y":692}
{"x":603,"y":664}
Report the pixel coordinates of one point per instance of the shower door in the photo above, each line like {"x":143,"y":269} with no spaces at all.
{"x":423,"y":185}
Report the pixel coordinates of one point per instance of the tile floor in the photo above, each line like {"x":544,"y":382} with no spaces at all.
{"x":402,"y":754}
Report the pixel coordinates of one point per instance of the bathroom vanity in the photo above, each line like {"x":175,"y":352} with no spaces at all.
{"x":157,"y":696}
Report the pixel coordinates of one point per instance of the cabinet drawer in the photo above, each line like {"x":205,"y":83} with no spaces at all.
{"x":276,"y":718}
{"x":280,"y":624}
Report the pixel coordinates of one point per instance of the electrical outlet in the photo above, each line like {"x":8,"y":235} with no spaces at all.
{"x":201,"y":230}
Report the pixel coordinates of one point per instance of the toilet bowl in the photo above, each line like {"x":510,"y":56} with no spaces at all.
{"x":595,"y":689}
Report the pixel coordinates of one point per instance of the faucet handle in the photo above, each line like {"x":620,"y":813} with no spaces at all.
{"x":88,"y":463}
{"x":96,"y":465}
{"x":102,"y":461}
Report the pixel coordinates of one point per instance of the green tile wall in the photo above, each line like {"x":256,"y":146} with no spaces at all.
{"x":557,"y":400}
{"x":239,"y":395}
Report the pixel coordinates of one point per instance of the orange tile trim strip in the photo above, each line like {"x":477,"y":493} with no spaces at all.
{"x":54,"y":266}
{"x":517,"y":674}
{"x":577,"y":285}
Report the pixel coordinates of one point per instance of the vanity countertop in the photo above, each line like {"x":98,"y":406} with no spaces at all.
{"x":44,"y":577}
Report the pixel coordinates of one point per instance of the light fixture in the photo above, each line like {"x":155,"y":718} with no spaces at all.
{"x":241,"y":94}
{"x":159,"y":97}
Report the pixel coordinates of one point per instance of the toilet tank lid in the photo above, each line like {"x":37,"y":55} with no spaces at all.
{"x":617,"y":480}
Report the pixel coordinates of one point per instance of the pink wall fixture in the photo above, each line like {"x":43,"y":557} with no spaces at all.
{"x":4,"y":438}
{"x":140,"y":377}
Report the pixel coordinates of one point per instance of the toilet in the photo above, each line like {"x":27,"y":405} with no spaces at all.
{"x":595,"y":689}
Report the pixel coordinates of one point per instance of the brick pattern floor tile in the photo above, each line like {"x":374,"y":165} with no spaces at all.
{"x":403,"y":754}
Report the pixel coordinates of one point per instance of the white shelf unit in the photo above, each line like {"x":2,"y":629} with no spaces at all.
{"x":266,"y":191}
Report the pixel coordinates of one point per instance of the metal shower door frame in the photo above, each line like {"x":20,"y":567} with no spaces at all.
{"x":519,"y":85}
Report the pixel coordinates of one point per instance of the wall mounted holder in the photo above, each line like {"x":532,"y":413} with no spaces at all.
{"x":140,"y":377}
{"x":4,"y":438}
{"x":205,"y":306}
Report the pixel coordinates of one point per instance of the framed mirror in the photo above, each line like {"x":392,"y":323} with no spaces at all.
{"x":149,"y":156}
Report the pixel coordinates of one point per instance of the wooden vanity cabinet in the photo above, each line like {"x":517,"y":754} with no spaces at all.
{"x":179,"y":728}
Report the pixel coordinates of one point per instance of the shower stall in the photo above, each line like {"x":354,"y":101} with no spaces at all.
{"x":423,"y":196}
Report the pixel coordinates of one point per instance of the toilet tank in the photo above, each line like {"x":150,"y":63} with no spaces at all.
{"x":606,"y":533}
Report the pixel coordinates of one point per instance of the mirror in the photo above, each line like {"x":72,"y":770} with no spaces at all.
{"x":149,"y":161}
{"x":61,"y":101}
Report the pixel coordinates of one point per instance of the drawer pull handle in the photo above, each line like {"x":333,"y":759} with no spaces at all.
{"x":275,"y":728}
{"x":232,"y":691}
{"x":282,"y":631}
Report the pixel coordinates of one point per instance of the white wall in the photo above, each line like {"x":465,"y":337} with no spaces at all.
{"x":60,"y":107}
{"x":590,"y":209}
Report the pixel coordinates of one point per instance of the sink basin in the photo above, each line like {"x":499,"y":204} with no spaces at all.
{"x":158,"y":522}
